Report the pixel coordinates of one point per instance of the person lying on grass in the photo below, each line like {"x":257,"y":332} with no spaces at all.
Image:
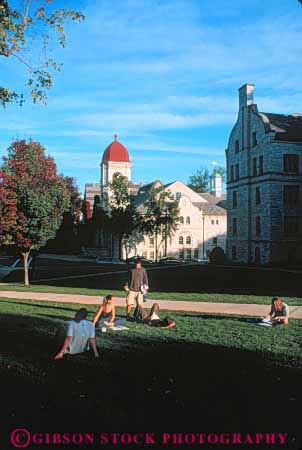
{"x":279,"y":312}
{"x":106,"y":315}
{"x":80,"y":333}
{"x":154,"y":320}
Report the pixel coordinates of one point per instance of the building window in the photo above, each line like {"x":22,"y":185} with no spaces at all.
{"x":234,"y":252}
{"x":213,"y":222}
{"x":254,"y":135}
{"x":258,"y":196}
{"x":217,"y":222}
{"x":234,"y":199}
{"x":196,"y":253}
{"x":181,"y":240}
{"x":236,"y":146}
{"x":291,"y":225}
{"x":258,"y":226}
{"x":181,"y":220}
{"x":188,"y":240}
{"x":151,"y":241}
{"x":181,"y":254}
{"x":232,"y":173}
{"x":260,"y":165}
{"x":290,"y":196}
{"x":237,"y":171}
{"x":234,"y":227}
{"x":151,"y":255}
{"x":254,"y":167}
{"x":188,"y":220}
{"x":215,"y":240}
{"x":144,"y":254}
{"x":178,"y":195}
{"x":257,"y":255}
{"x":188,"y":253}
{"x":291,"y":164}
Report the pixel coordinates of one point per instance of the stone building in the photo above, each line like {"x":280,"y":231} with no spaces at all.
{"x":264,"y":185}
{"x":202,"y":216}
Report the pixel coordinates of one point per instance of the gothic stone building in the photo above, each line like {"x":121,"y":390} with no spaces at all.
{"x":264,"y":185}
{"x":202,"y":216}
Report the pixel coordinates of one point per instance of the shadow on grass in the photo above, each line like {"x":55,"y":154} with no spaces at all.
{"x":150,"y":381}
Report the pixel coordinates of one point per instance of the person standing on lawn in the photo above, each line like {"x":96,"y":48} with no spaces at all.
{"x":80,"y":333}
{"x":136,"y":286}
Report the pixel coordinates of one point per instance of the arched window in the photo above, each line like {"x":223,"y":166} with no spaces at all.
{"x":181,"y":240}
{"x":257,"y":255}
{"x":181,"y":220}
{"x":188,"y":220}
{"x":188,"y":240}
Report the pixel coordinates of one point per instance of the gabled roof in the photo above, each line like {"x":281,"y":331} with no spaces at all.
{"x":285,"y":127}
{"x":210,"y":209}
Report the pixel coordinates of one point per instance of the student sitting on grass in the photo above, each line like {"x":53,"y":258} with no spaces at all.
{"x":279,"y":312}
{"x":154,"y":320}
{"x":80,"y":333}
{"x":105,"y":315}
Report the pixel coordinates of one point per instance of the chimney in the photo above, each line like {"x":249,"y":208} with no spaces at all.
{"x":246,"y":95}
{"x":216,"y":185}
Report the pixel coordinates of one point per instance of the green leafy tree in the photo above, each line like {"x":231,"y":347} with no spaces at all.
{"x":200,"y":182}
{"x":40,"y":196}
{"x":26,"y":30}
{"x":124,"y":219}
{"x":161,"y":218}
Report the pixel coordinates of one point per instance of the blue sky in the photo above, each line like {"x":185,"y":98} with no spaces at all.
{"x":163,"y":75}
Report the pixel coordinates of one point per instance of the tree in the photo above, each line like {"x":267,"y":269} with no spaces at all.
{"x":161,"y":218}
{"x":26,"y":29}
{"x":200,"y":182}
{"x":124,"y":218}
{"x":40,"y":197}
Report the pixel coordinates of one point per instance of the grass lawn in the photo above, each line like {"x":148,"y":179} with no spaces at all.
{"x":183,"y":296}
{"x":208,"y":373}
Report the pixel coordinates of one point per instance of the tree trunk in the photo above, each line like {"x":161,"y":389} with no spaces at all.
{"x":25,"y":260}
{"x":120,"y":247}
{"x":156,"y":249}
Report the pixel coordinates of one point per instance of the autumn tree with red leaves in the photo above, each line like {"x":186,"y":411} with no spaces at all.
{"x":33,"y":199}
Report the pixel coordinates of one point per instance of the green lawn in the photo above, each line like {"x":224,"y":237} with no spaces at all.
{"x":186,"y":378}
{"x":184,"y":296}
{"x":282,"y":344}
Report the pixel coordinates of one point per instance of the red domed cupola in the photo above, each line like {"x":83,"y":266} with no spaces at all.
{"x":116,"y":152}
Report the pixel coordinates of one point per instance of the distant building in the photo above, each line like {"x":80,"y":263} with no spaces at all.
{"x":202,"y":216}
{"x":264,"y":185}
{"x":202,"y":223}
{"x":91,"y":191}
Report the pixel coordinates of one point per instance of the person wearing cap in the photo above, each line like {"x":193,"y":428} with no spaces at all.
{"x":136,"y":286}
{"x":80,"y":333}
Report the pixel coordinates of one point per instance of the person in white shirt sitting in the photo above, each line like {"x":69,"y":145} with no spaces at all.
{"x":80,"y":334}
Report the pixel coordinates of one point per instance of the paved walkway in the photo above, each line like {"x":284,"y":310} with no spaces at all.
{"x":170,"y":305}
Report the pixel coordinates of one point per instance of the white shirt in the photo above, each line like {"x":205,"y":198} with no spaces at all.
{"x":80,"y":333}
{"x":154,"y":316}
